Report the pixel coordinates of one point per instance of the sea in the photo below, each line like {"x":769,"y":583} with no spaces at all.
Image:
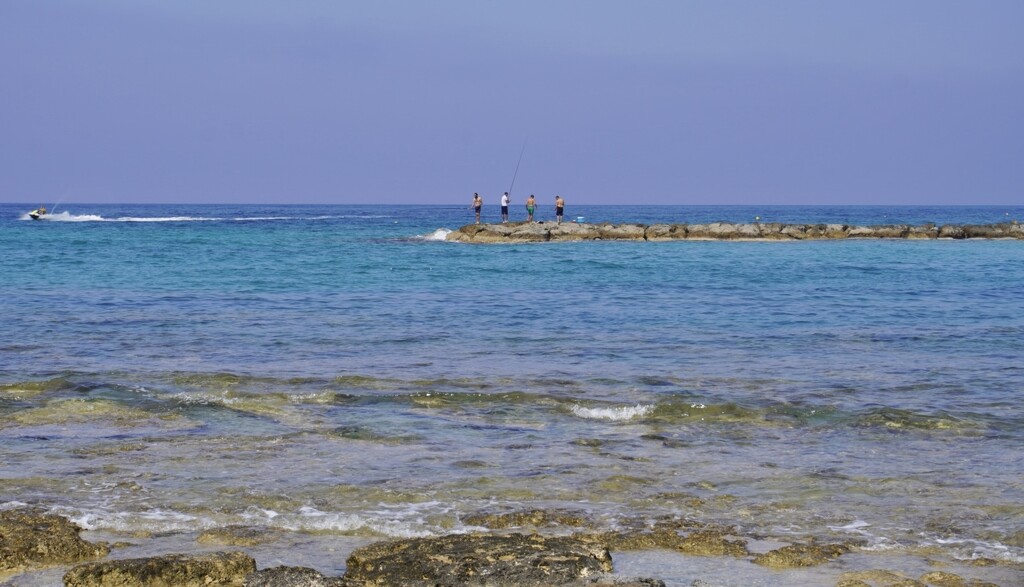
{"x":336,"y":375}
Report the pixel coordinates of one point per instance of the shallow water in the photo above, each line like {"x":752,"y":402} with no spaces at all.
{"x":338,"y":373}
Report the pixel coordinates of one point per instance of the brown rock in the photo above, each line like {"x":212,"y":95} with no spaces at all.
{"x":30,"y":538}
{"x":925,"y":231}
{"x":942,"y":579}
{"x":711,"y":543}
{"x":570,"y":231}
{"x":952,"y":231}
{"x":662,"y":232}
{"x":634,"y":232}
{"x":801,"y":555}
{"x":291,"y":577}
{"x":173,"y":570}
{"x":639,"y":540}
{"x":876,"y":578}
{"x":478,"y":560}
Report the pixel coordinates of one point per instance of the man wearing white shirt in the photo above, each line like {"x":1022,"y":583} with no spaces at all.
{"x":504,"y":208}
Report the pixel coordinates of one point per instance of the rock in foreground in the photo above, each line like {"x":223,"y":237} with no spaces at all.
{"x":219,"y":569}
{"x":478,"y":560}
{"x":291,"y":577}
{"x":521,"y":232}
{"x":33,"y":539}
{"x":801,"y":555}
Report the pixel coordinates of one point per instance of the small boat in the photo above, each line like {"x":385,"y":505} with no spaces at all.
{"x":37,"y":213}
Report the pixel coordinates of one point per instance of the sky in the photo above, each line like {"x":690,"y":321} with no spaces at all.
{"x":915,"y":102}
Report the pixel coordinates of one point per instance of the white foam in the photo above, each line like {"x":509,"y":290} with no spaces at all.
{"x":982,"y":549}
{"x":438,"y":235}
{"x":69,"y":217}
{"x":257,"y":513}
{"x":163,"y":219}
{"x":854,"y":526}
{"x":311,"y":519}
{"x":152,"y":520}
{"x":615,"y":414}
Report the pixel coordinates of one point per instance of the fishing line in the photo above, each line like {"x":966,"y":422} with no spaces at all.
{"x":521,"y":151}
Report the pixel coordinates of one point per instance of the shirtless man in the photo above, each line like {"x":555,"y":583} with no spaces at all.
{"x":478,"y":203}
{"x":559,"y":209}
{"x":531,"y":205}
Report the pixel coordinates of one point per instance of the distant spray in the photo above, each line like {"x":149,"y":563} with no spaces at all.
{"x":59,"y":200}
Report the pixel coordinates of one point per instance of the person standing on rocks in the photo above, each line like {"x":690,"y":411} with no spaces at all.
{"x":478,"y":203}
{"x":559,"y":209}
{"x":504,"y":208}
{"x":531,"y":205}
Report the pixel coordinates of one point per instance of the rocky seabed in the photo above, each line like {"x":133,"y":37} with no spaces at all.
{"x":571,"y":231}
{"x":32,"y":540}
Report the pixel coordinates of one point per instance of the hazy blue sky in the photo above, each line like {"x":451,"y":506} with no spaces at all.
{"x":640,"y":101}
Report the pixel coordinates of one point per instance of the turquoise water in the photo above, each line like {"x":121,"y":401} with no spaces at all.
{"x":340,"y":370}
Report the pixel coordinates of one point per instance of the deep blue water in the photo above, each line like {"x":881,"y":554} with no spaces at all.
{"x":811,"y":371}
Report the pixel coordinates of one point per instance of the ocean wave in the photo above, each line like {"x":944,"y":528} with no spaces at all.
{"x":310,"y":519}
{"x":405,"y":523}
{"x":971,"y":549}
{"x":440,"y":234}
{"x":157,"y":520}
{"x":620,"y":413}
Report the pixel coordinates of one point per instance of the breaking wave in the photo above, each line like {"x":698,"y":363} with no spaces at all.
{"x":438,"y":235}
{"x":614,"y":414}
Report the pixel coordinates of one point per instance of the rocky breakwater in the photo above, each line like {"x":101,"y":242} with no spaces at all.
{"x":523,"y":232}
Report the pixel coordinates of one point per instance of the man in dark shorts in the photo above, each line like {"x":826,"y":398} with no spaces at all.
{"x":478,"y":203}
{"x":504,"y":208}
{"x":559,"y":209}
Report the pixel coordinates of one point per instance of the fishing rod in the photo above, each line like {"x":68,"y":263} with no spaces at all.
{"x":521,"y":151}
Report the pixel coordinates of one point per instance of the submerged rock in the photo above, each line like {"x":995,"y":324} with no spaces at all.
{"x":238,"y":536}
{"x":30,"y":538}
{"x":876,"y":578}
{"x":943,"y":579}
{"x":571,"y":231}
{"x":479,"y":560}
{"x":228,"y":569}
{"x":530,"y":518}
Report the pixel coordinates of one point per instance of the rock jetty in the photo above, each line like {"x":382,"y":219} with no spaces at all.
{"x":771,"y":231}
